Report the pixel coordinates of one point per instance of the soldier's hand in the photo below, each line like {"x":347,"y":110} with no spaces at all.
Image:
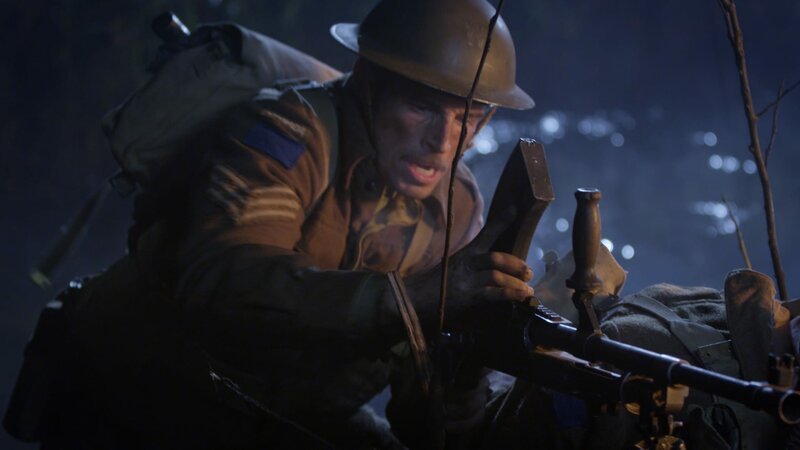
{"x":478,"y":281}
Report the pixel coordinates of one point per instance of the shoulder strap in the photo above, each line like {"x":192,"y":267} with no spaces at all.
{"x":321,"y":102}
{"x":420,"y":241}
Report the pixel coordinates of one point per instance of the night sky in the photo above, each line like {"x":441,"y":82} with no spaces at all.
{"x":639,"y":99}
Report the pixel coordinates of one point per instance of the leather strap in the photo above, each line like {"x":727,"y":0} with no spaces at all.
{"x":416,"y":339}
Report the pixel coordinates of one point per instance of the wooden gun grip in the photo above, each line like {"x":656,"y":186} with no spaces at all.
{"x":586,"y":240}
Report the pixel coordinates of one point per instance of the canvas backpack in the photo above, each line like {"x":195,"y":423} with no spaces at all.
{"x":193,"y":82}
{"x":222,"y":65}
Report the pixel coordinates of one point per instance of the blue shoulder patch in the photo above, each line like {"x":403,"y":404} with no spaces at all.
{"x":273,"y":143}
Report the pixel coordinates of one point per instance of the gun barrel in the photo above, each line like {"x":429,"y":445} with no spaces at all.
{"x":783,"y":403}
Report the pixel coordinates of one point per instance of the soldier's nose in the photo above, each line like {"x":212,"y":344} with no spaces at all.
{"x":438,"y":136}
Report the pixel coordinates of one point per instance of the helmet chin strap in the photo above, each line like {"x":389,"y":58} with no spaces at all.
{"x":484,"y":120}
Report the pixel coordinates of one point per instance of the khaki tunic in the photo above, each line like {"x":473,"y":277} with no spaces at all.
{"x":285,"y":269}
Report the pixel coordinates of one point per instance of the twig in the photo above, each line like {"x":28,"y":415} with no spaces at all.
{"x":438,"y":434}
{"x":774,"y":130}
{"x":735,"y":36}
{"x":739,"y":236}
{"x":780,"y":97}
{"x":456,"y":158}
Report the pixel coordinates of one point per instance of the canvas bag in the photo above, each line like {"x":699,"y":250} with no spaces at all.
{"x":224,"y":65}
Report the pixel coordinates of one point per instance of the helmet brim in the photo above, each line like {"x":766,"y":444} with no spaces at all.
{"x":347,"y":35}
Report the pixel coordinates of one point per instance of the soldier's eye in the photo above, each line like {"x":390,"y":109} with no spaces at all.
{"x":419,"y":107}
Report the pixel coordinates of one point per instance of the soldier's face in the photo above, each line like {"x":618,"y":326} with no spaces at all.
{"x":416,"y":130}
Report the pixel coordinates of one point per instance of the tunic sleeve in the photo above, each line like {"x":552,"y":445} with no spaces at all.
{"x":238,"y":264}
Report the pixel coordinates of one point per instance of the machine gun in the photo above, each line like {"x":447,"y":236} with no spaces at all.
{"x":544,"y":348}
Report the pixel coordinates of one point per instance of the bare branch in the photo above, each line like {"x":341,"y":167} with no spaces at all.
{"x":785,"y":93}
{"x":459,"y":149}
{"x":732,"y":19}
{"x":739,"y":236}
{"x":725,"y":5}
{"x":774,"y":130}
{"x":436,"y":405}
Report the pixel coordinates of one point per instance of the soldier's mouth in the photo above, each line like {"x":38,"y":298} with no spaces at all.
{"x":421,"y":172}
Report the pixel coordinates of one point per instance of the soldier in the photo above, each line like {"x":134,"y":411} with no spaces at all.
{"x":274,"y":258}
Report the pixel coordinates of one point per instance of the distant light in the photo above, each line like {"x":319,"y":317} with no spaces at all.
{"x":485,"y":146}
{"x":585,"y":126}
{"x":710,"y":139}
{"x":550,"y":124}
{"x":538,"y":253}
{"x":720,"y":211}
{"x":730,"y":164}
{"x":487,"y":130}
{"x":711,"y":231}
{"x":504,"y":130}
{"x":617,"y":139}
{"x":728,"y":227}
{"x":749,"y":167}
{"x":715,"y":161}
{"x":609,"y":245}
{"x":601,"y":127}
{"x":595,"y":126}
{"x":562,"y":225}
{"x":708,"y":208}
{"x":627,"y":251}
{"x":484,"y":142}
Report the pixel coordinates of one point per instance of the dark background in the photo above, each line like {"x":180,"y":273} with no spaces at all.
{"x":635,"y":98}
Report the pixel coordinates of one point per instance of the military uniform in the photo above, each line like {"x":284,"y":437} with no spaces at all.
{"x":287,"y":268}
{"x":256,"y":283}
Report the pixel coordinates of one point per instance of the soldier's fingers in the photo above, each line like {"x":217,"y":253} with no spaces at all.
{"x":504,"y":294}
{"x":496,"y":278}
{"x":503,"y":262}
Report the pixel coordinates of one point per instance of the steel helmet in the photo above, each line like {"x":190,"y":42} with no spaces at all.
{"x":439,"y":43}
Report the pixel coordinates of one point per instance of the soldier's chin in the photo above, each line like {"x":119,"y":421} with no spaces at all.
{"x":414,"y":191}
